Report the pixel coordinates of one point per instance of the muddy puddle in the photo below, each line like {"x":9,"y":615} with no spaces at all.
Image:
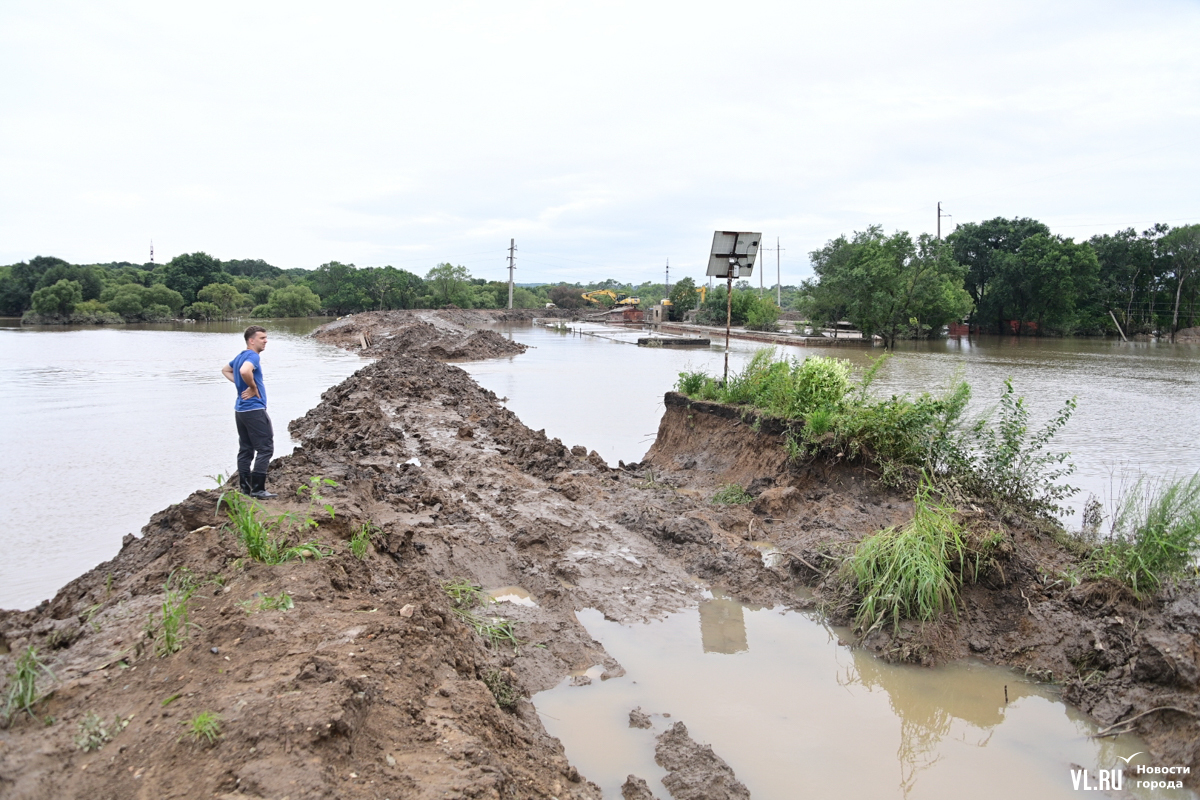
{"x":795,"y":714}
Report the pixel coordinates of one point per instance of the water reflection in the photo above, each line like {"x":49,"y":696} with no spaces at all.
{"x":722,"y":627}
{"x":795,"y":714}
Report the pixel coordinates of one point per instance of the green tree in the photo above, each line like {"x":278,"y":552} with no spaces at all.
{"x":890,"y":286}
{"x":1182,"y":246}
{"x":1044,"y":281}
{"x":683,"y":298}
{"x":17,"y":288}
{"x":188,"y":273}
{"x":221,"y":295}
{"x":763,"y":315}
{"x":202,"y":310}
{"x":59,"y":299}
{"x":290,"y":301}
{"x":339,"y":286}
{"x":448,"y":284}
{"x":984,"y":249}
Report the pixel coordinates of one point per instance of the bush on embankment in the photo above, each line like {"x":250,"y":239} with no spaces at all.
{"x":996,"y":456}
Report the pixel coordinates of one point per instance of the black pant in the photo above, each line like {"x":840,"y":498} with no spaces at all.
{"x":256,"y":441}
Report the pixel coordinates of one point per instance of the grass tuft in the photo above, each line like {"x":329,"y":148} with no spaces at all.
{"x":501,"y":688}
{"x":281,"y":602}
{"x":906,"y":573}
{"x":206,"y":725}
{"x":265,"y":536}
{"x":174,"y":625}
{"x":732,"y":494}
{"x":22,"y":693}
{"x":362,"y":540}
{"x":1155,"y":534}
{"x":464,"y":598}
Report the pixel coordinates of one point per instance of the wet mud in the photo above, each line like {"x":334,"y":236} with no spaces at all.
{"x":372,"y":685}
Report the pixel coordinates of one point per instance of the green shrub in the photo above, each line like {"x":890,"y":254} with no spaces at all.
{"x":907,"y":573}
{"x":1155,"y":534}
{"x":762,"y":315}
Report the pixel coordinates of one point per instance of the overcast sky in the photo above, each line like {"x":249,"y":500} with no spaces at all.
{"x":605,"y":137}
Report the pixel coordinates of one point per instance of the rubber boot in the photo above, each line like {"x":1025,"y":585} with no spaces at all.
{"x":244,"y":484}
{"x":258,"y":485}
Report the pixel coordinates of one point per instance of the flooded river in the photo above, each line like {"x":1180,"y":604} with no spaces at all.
{"x":104,"y":427}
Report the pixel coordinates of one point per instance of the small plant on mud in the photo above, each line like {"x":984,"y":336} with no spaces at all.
{"x":206,"y":725}
{"x":281,"y":602}
{"x":174,"y":625}
{"x":93,"y":732}
{"x":362,"y":540}
{"x":906,"y":573}
{"x":501,"y":688}
{"x":265,"y":536}
{"x":732,"y":494}
{"x":1155,"y":534}
{"x":465,"y":595}
{"x":464,"y":598}
{"x":312,"y":492}
{"x":22,"y":693}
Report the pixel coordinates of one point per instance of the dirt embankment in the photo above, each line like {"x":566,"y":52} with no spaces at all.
{"x":1115,"y":657}
{"x":372,"y":686}
{"x":444,"y":335}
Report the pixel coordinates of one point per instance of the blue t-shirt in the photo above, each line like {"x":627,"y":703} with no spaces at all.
{"x":253,"y":403}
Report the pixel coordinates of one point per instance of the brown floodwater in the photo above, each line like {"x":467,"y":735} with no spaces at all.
{"x":105,"y":426}
{"x":796,"y":714}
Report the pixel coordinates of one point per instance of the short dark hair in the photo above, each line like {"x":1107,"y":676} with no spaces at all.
{"x":253,"y":329}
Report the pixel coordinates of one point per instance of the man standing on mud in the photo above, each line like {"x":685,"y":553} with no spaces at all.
{"x":256,"y":438}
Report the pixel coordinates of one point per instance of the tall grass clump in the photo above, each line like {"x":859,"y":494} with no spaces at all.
{"x":22,"y":692}
{"x":907,"y":572}
{"x":174,"y":624}
{"x":1155,"y":534}
{"x":266,"y":536}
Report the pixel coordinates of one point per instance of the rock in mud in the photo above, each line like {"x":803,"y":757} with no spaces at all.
{"x":695,"y":771}
{"x":635,"y":788}
{"x":638,"y":718}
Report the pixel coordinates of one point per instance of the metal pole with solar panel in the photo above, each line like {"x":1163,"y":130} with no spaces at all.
{"x":732,"y":256}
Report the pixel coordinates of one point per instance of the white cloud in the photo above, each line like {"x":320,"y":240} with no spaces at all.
{"x":606,"y":137}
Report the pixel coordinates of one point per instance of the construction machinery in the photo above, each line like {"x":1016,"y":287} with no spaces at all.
{"x":618,"y":299}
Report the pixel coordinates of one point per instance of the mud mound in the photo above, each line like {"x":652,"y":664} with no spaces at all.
{"x":1188,"y":335}
{"x":694,"y":771}
{"x":434,"y":334}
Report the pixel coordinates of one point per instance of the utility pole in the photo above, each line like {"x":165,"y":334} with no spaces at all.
{"x":940,"y":215}
{"x":778,"y":273}
{"x":512,"y":264}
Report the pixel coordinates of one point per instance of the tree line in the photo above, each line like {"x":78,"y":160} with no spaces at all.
{"x":199,"y":286}
{"x":1007,"y":276}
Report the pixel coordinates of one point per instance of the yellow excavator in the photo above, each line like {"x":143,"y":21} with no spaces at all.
{"x":619,"y":299}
